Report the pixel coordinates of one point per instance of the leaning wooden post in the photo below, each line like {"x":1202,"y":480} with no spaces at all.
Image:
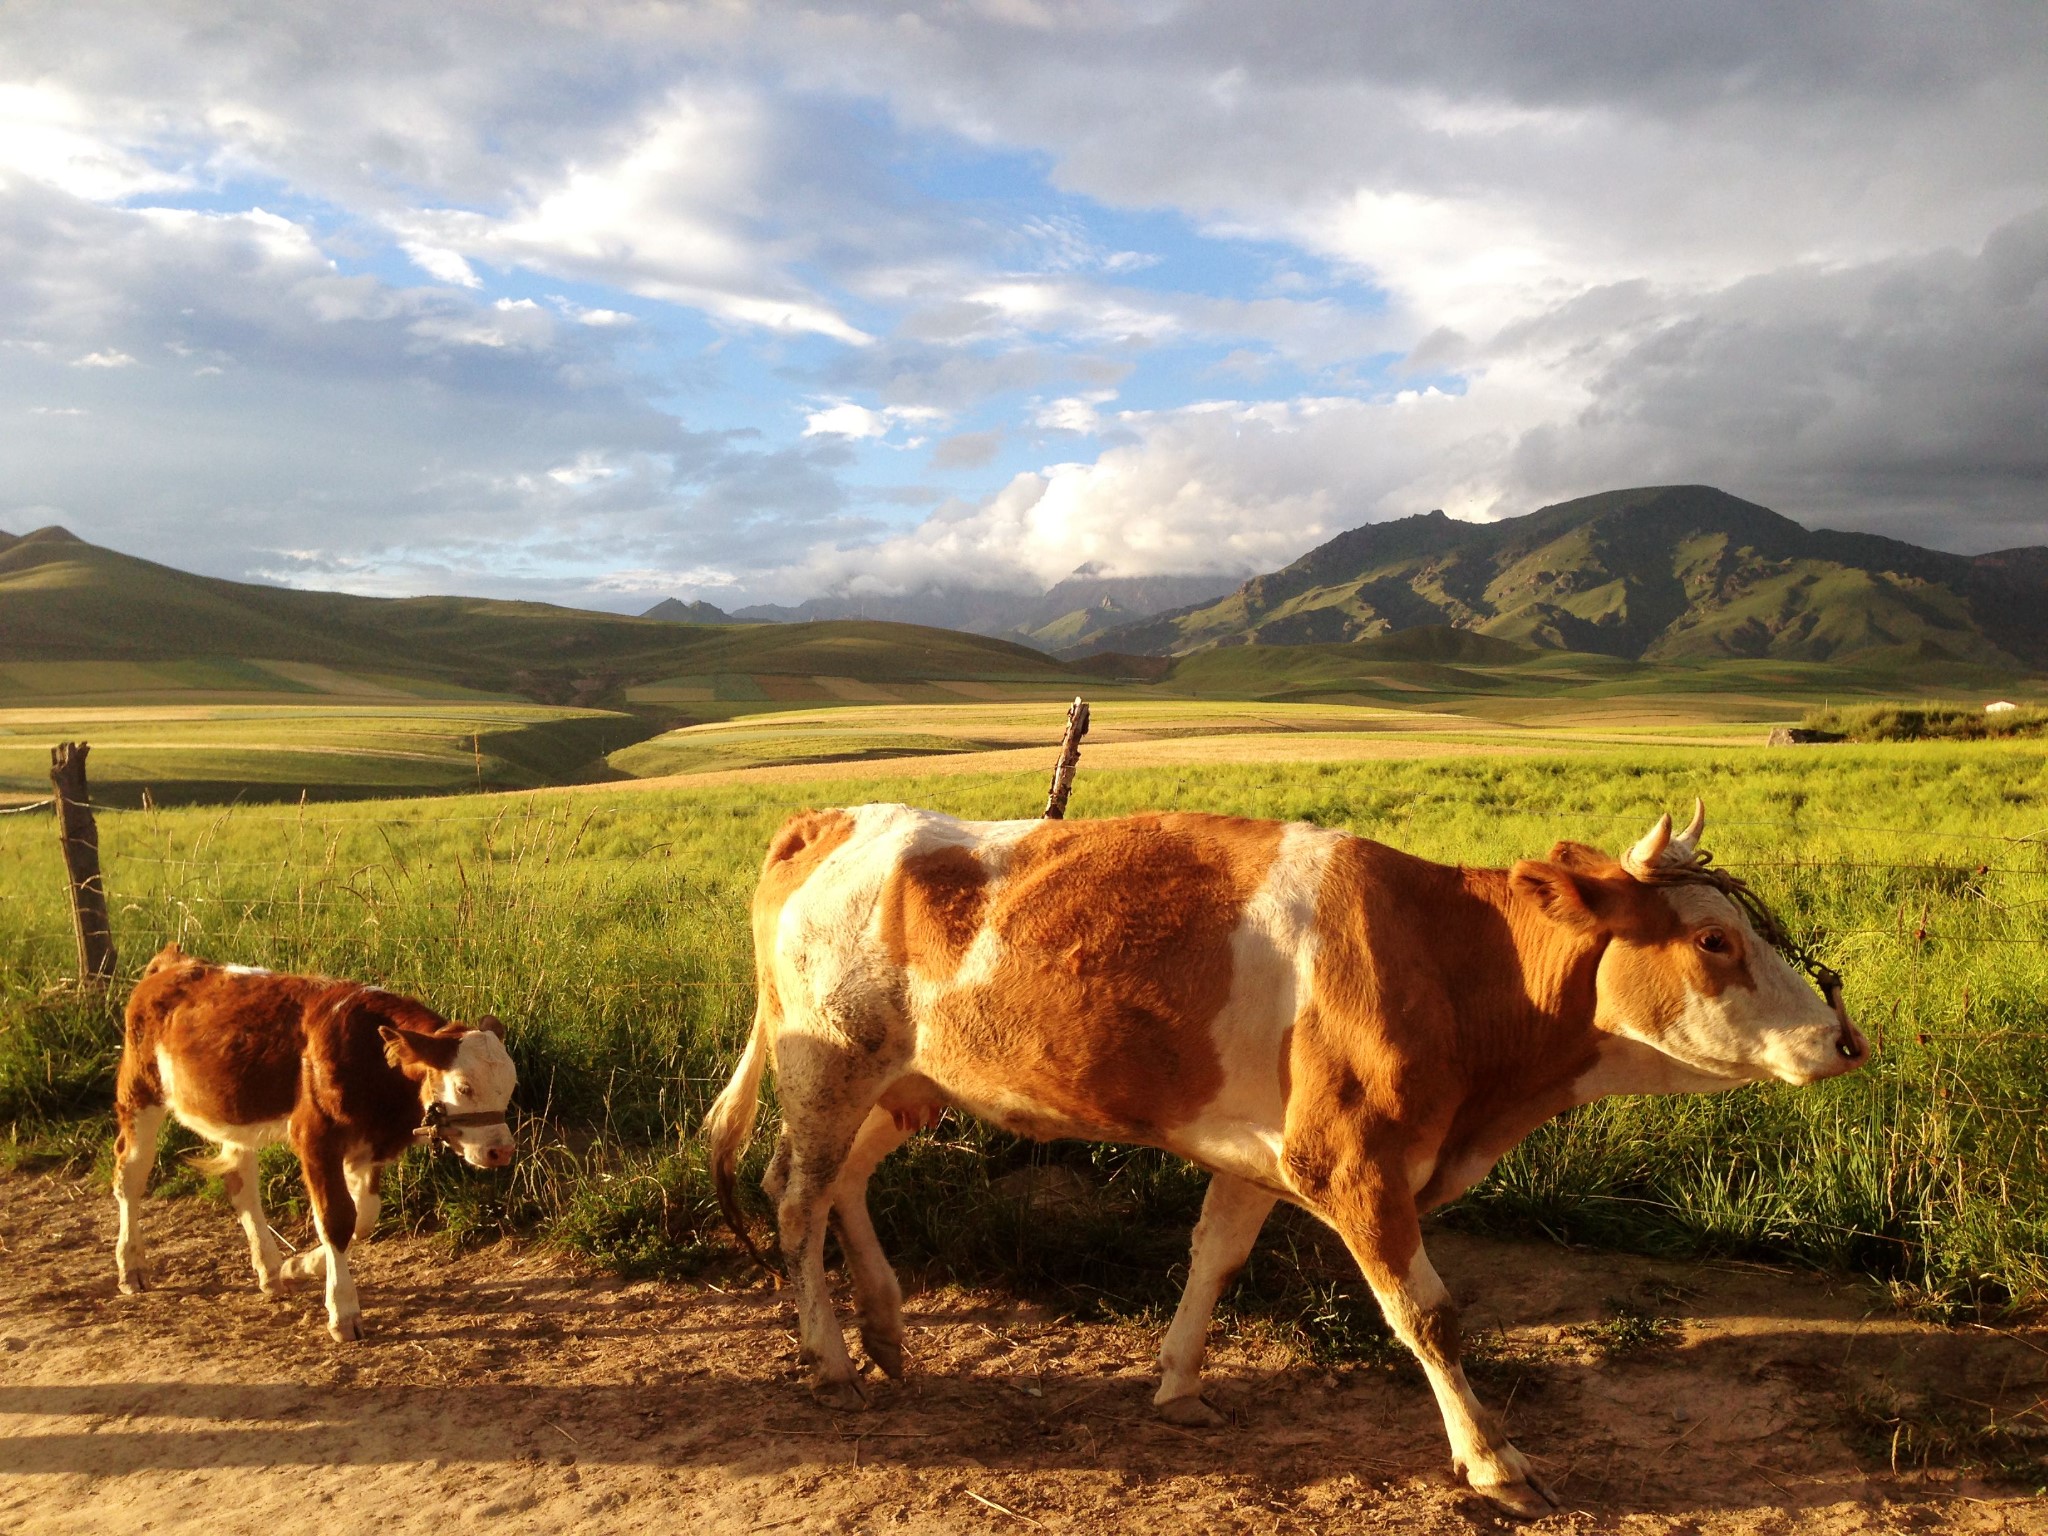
{"x":1070,"y":759}
{"x":79,"y":836}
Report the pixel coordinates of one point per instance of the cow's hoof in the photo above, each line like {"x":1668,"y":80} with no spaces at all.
{"x":131,"y":1285}
{"x":839,"y":1396}
{"x":887,"y":1353}
{"x":273,"y":1287}
{"x":345,"y":1330}
{"x":1190,"y":1413}
{"x":1526,"y":1500}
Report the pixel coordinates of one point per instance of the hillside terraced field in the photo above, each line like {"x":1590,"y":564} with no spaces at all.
{"x":187,"y":753}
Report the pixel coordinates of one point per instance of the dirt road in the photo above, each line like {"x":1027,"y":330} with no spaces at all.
{"x":511,"y":1391}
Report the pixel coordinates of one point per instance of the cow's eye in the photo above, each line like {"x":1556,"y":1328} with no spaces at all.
{"x":1713,"y":941}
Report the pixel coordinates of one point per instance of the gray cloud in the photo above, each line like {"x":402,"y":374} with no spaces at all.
{"x":1794,"y":250}
{"x":1906,"y":396}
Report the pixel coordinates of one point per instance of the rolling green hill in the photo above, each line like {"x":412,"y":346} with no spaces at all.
{"x":69,"y":610}
{"x":1659,"y":573}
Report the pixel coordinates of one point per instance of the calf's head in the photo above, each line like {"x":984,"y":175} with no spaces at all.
{"x":466,"y":1079}
{"x":1683,"y":970}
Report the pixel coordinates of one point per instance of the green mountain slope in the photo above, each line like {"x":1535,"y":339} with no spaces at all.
{"x":63,"y":600}
{"x":1659,"y":573}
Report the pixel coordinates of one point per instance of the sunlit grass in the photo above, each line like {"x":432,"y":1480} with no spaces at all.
{"x":608,"y":929}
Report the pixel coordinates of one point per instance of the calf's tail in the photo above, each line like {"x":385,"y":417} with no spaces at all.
{"x":730,"y":1125}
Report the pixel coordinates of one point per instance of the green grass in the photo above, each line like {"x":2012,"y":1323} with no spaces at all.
{"x":608,"y":929}
{"x":187,"y":753}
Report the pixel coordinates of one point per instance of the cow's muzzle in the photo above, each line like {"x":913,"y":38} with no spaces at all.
{"x":1850,"y":1044}
{"x":439,"y":1124}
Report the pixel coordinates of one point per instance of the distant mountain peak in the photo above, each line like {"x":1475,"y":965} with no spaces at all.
{"x":1661,"y":573}
{"x":677,"y":611}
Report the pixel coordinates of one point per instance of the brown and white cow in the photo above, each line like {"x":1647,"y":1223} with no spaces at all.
{"x":1310,"y":1016}
{"x":350,"y":1075}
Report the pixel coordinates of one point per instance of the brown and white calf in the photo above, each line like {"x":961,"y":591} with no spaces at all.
{"x":349,"y":1075}
{"x":1310,"y":1016}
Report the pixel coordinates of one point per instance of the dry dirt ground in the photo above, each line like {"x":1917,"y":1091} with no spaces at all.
{"x":511,"y":1390}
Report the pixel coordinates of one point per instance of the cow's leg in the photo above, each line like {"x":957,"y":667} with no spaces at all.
{"x":363,"y":1179}
{"x":246,"y":1191}
{"x":1233,"y":1211}
{"x":1375,"y":1214}
{"x":334,"y":1219}
{"x":876,"y":1291}
{"x":138,"y":1126}
{"x":826,"y":1097}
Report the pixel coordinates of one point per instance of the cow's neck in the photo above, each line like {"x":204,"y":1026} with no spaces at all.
{"x":1524,"y":1017}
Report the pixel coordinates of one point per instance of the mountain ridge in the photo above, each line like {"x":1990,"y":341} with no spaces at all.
{"x":1066,"y":614}
{"x":1656,"y":573}
{"x":63,"y":599}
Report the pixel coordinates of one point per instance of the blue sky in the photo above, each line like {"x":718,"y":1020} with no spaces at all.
{"x":757,"y":302}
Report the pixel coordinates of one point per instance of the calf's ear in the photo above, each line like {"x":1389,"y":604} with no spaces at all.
{"x":411,"y":1048}
{"x":1565,"y":896}
{"x":491,"y":1024}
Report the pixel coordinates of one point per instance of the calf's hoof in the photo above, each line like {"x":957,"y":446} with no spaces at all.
{"x":1528,"y":1499}
{"x":131,"y":1284}
{"x":1190,"y":1412}
{"x":886,"y":1352}
{"x":273,"y":1287}
{"x":839,"y":1396}
{"x":345,"y":1330}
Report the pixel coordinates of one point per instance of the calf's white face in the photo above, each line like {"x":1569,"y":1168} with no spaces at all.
{"x":480,"y":1080}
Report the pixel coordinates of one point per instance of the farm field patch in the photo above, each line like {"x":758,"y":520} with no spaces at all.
{"x":219,"y":752}
{"x":1132,"y":732}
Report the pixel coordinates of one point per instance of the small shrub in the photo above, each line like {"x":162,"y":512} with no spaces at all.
{"x":1925,"y":722}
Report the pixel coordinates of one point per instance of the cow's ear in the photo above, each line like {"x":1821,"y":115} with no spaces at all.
{"x":491,"y":1024}
{"x":1581,"y":856}
{"x":405,"y":1048}
{"x":1565,"y":896}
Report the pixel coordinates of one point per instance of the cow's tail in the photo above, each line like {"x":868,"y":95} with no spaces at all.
{"x":730,"y":1125}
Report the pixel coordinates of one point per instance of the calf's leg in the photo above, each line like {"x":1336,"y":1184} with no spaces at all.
{"x":877,"y":1293}
{"x":1375,"y":1214}
{"x":1233,"y":1211}
{"x":247,"y":1194}
{"x":137,"y":1128}
{"x":363,"y":1178}
{"x":334,"y":1219}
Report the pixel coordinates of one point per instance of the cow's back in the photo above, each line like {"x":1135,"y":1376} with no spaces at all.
{"x":224,"y":1045}
{"x":1090,"y":977}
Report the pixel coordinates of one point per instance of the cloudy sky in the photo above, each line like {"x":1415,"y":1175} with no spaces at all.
{"x":602,"y":303}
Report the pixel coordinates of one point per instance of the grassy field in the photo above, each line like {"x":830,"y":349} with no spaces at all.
{"x":330,"y":746}
{"x":1138,"y":730}
{"x":213,"y":753}
{"x":608,"y":927}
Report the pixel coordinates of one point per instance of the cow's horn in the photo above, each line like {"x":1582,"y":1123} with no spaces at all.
{"x":1646,"y":855}
{"x":1685,"y":847}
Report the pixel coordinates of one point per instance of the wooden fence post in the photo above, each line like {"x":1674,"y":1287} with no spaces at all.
{"x":1069,"y":760}
{"x":79,"y":837}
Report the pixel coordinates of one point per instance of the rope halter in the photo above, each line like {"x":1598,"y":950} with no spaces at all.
{"x":438,"y":1121}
